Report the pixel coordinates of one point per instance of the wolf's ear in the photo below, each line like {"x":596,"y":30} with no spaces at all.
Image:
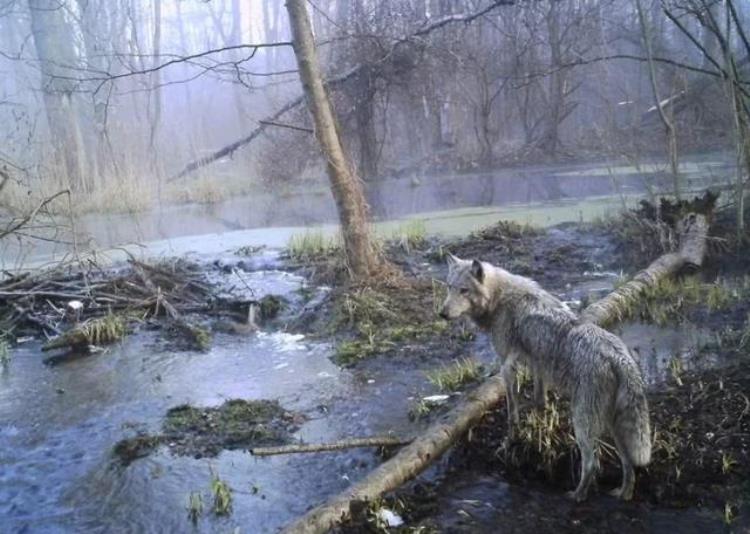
{"x":477,"y":271}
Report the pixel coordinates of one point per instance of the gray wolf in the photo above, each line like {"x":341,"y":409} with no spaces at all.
{"x":592,"y":366}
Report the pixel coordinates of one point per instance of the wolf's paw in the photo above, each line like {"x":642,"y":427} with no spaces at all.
{"x":576,"y":496}
{"x":621,"y":493}
{"x":506,"y":443}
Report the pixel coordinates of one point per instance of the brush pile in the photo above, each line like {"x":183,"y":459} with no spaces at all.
{"x":92,"y":306}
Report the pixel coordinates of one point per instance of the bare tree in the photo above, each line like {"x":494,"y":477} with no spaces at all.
{"x":155,"y":94}
{"x":58,"y":58}
{"x":660,"y":104}
{"x":363,"y":259}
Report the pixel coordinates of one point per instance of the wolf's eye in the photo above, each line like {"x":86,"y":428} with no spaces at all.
{"x":464,"y":290}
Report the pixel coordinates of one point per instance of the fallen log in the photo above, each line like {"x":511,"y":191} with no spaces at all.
{"x":692,"y":231}
{"x":354,"y":443}
{"x":408,"y":463}
{"x":439,"y":437}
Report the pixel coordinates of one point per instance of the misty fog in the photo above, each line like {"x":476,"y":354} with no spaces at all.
{"x":374,"y":266}
{"x":115,"y":100}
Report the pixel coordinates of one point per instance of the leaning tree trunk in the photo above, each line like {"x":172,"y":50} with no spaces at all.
{"x":346,"y":186}
{"x":438,"y":438}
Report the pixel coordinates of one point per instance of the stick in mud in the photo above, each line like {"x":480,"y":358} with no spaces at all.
{"x":384,"y":441}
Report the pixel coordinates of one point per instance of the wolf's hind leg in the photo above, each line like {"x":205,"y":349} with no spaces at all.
{"x":586,"y":441}
{"x":624,"y":492}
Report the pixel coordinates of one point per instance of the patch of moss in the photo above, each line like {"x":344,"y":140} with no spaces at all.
{"x":372,"y":340}
{"x":236,"y":420}
{"x":198,"y":432}
{"x":201,"y":336}
{"x":373,"y":321}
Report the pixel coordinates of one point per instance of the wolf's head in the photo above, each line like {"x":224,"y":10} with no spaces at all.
{"x":467,"y":290}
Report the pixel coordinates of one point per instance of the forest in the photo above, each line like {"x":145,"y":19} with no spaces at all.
{"x":234,"y":233}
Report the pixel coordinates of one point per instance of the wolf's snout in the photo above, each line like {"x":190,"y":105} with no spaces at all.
{"x":444,"y":314}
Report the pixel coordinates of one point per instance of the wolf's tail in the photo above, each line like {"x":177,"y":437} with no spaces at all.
{"x":631,"y":424}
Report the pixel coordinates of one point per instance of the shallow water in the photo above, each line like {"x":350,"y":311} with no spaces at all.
{"x":59,"y":424}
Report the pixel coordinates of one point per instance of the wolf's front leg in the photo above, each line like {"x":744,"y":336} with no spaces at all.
{"x":508,"y":373}
{"x":540,"y":391}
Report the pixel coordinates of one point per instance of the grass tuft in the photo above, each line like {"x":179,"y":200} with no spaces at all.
{"x":310,"y":246}
{"x":452,"y":377}
{"x":410,"y":235}
{"x":222,"y":494}
{"x":4,"y":351}
{"x":671,"y":300}
{"x":195,"y":506}
{"x":544,"y":433}
{"x":103,"y":330}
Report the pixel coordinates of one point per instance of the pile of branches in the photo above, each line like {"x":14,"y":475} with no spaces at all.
{"x":92,"y":307}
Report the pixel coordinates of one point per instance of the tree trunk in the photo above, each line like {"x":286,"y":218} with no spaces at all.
{"x":155,"y":107}
{"x":667,"y":120}
{"x":346,"y":187}
{"x":438,"y":438}
{"x":57,"y":57}
{"x":551,"y":138}
{"x":364,"y":112}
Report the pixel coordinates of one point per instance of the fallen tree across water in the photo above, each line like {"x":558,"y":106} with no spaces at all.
{"x":442,"y":435}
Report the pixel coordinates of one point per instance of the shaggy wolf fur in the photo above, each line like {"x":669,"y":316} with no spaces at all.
{"x":584,"y":361}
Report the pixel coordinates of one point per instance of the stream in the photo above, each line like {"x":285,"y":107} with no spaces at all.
{"x":59,"y":424}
